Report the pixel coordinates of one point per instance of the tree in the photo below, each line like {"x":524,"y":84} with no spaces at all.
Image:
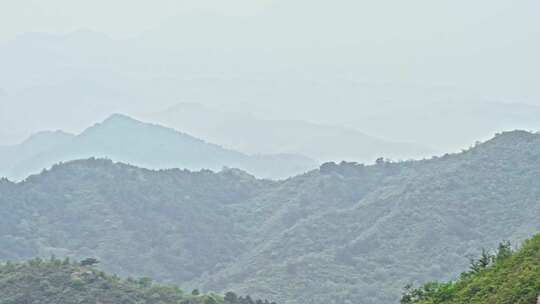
{"x":145,"y":282}
{"x":408,"y":294}
{"x":89,"y":262}
{"x":210,"y":300}
{"x":231,"y":297}
{"x":483,"y":262}
{"x":504,"y":251}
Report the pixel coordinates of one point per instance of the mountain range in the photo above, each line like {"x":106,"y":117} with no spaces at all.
{"x":250,"y":134}
{"x":89,"y":75}
{"x":122,"y":138}
{"x":343,"y":233}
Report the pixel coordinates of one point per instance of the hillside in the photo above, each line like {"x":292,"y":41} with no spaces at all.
{"x":501,"y":277}
{"x":56,"y":281}
{"x":251,"y":134}
{"x":345,"y":233}
{"x":122,"y":138}
{"x":38,"y":143}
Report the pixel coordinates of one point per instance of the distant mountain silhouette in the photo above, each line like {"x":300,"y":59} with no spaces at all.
{"x":13,"y":156}
{"x":253,"y":135}
{"x":83,"y":76}
{"x":122,"y":138}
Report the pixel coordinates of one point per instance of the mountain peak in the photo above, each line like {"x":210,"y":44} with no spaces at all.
{"x":521,"y":135}
{"x":45,"y":136}
{"x":120,"y":125}
{"x":128,"y":125}
{"x":117,"y":117}
{"x":513,"y":139}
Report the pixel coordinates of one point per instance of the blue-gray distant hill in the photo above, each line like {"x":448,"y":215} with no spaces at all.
{"x":122,"y":138}
{"x":251,"y":134}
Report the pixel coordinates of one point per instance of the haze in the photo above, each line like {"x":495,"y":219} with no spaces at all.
{"x":269,"y":151}
{"x":439,"y":74}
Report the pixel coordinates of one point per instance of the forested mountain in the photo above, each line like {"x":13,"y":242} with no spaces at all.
{"x":122,"y":138}
{"x":55,"y":281}
{"x":503,"y":277}
{"x":345,"y":233}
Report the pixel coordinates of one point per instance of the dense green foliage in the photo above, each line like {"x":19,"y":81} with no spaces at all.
{"x":505,"y":277}
{"x":55,"y":281}
{"x":346,"y":233}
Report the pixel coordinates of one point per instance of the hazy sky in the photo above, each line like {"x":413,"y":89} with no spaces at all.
{"x":348,"y":62}
{"x":118,"y":18}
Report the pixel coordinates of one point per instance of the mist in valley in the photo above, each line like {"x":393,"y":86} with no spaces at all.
{"x":269,"y":151}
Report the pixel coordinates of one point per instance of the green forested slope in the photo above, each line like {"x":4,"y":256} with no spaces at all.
{"x":171,"y":225}
{"x":345,"y":233}
{"x":64,"y":282}
{"x":505,"y":277}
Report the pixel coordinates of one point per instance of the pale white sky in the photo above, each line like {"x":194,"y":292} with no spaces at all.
{"x":115,"y":17}
{"x":128,"y":17}
{"x":324,"y":61}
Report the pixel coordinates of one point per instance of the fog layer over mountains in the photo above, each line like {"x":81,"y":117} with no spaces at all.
{"x":255,"y":135}
{"x":300,"y":151}
{"x":421,"y":72}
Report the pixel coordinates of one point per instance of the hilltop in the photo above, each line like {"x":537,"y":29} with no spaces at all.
{"x":55,"y":281}
{"x":125,"y":139}
{"x":343,"y":233}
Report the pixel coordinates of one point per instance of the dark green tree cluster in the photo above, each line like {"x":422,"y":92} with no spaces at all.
{"x":503,"y":277}
{"x":55,"y":281}
{"x":232,"y":298}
